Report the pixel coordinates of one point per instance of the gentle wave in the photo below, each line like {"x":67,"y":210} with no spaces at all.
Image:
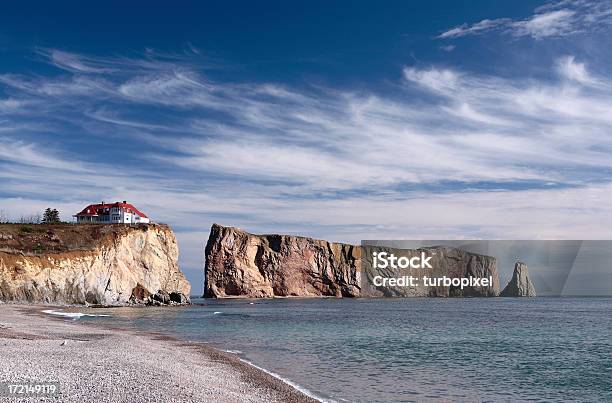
{"x":75,"y":315}
{"x":232,"y":351}
{"x":290,"y":383}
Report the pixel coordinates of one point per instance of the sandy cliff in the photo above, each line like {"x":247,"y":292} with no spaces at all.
{"x":239,"y":264}
{"x":96,"y":264}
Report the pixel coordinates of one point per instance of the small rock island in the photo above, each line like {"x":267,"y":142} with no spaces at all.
{"x":520,"y":285}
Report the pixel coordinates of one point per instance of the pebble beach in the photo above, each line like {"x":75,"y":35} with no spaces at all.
{"x":111,"y":365}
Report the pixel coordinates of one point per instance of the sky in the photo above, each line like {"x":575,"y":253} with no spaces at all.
{"x":337,"y":120}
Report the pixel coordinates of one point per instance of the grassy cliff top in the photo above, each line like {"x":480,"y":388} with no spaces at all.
{"x":57,"y":238}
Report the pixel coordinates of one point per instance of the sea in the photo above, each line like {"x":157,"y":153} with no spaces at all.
{"x":402,"y":350}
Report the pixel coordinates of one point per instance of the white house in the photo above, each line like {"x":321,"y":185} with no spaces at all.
{"x":112,"y":213}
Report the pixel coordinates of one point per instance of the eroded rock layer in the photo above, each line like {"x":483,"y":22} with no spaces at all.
{"x":239,"y":264}
{"x":90,"y":263}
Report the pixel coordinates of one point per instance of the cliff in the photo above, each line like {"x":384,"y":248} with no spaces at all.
{"x":520,"y":285}
{"x":445,"y":261}
{"x":247,"y":265}
{"x":239,"y":264}
{"x":90,"y":263}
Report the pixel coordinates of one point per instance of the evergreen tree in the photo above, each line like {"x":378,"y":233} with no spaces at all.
{"x":51,"y":216}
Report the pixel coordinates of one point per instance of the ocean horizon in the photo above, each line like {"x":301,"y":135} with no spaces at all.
{"x":395,"y":350}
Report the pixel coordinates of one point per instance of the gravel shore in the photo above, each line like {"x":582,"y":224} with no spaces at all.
{"x":108,"y":365}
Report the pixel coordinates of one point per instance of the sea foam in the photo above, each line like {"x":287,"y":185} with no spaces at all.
{"x":74,"y":315}
{"x":290,"y":383}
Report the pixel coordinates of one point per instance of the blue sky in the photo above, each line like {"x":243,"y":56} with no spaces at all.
{"x":344,"y":121}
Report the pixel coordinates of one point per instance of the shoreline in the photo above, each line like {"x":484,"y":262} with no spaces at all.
{"x":111,"y":364}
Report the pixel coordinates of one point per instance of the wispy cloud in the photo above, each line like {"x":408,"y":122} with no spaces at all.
{"x":475,"y":29}
{"x":74,"y":63}
{"x":10,"y":105}
{"x":277,"y":134}
{"x":555,"y":19}
{"x":571,"y":69}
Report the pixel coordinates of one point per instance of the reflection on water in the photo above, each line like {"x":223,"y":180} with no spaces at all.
{"x":407,"y":349}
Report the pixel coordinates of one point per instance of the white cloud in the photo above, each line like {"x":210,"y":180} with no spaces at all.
{"x":28,"y":154}
{"x":60,"y":88}
{"x":475,"y":29}
{"x":556,"y":19}
{"x":436,"y":79}
{"x":73,"y":62}
{"x":10,"y":105}
{"x":553,"y":23}
{"x":173,"y":88}
{"x":572,"y":70}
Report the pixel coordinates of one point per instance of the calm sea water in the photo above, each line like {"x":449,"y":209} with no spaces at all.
{"x":365,"y":350}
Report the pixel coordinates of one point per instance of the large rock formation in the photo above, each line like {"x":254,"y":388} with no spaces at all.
{"x":90,"y":263}
{"x":247,"y":265}
{"x":445,"y":261}
{"x":520,"y":285}
{"x":239,"y":264}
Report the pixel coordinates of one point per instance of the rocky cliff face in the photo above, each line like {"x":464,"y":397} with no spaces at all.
{"x":239,"y":264}
{"x":95,"y":264}
{"x":520,"y":285}
{"x":445,"y":261}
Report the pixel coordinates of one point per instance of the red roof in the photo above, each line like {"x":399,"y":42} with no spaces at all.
{"x":92,"y":209}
